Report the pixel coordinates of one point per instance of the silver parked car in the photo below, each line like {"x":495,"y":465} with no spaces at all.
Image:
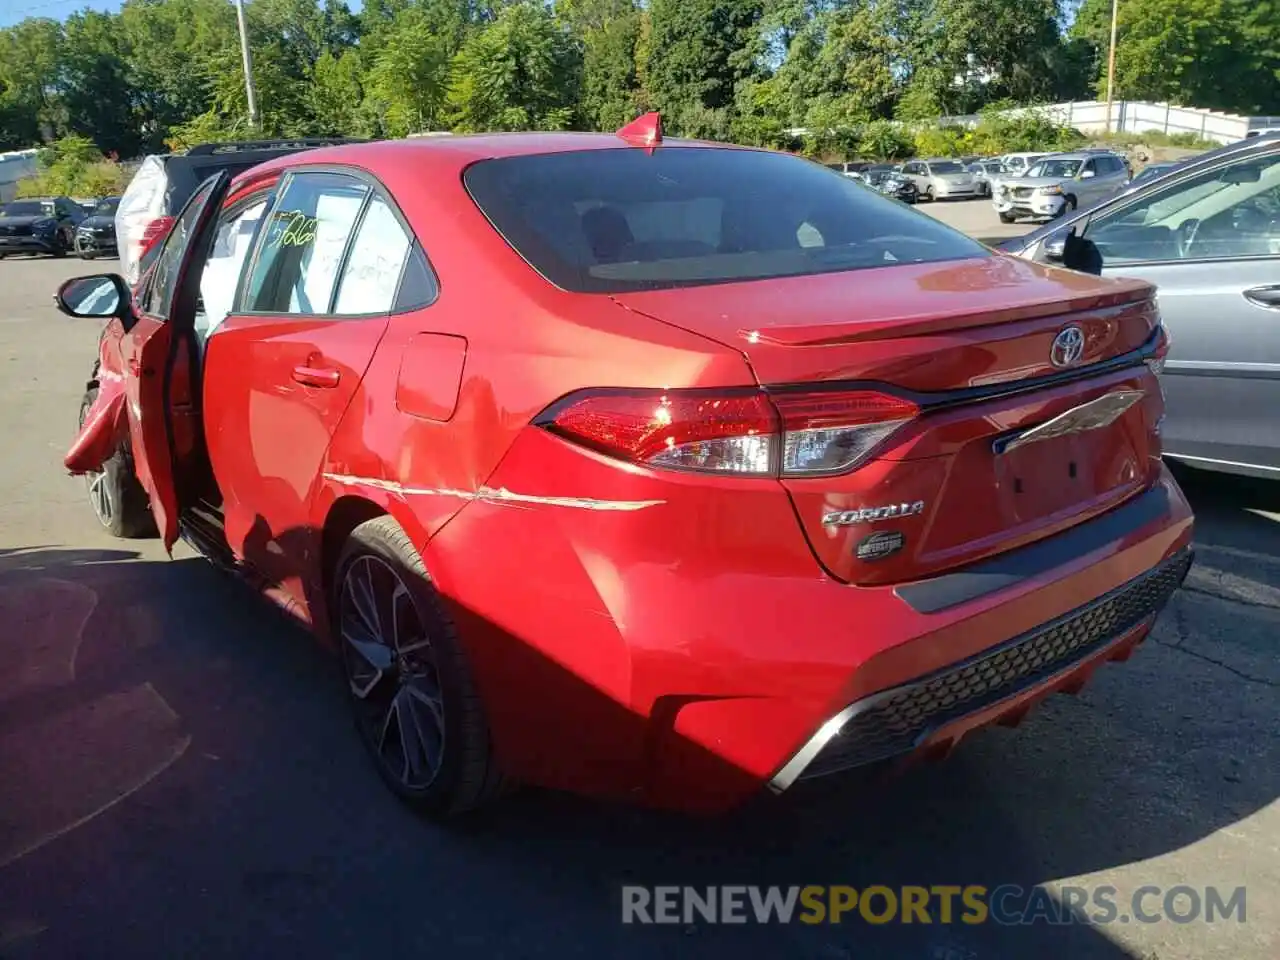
{"x":1208,"y":235}
{"x":1061,"y":183}
{"x":985,"y":173}
{"x":940,"y":179}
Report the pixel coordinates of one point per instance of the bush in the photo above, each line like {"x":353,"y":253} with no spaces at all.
{"x":883,"y":140}
{"x":947,"y":141}
{"x":73,"y":167}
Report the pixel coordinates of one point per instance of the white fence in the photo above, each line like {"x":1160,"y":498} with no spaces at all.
{"x":1136,"y":116}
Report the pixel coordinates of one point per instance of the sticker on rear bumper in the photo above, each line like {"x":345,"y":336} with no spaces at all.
{"x":880,"y":545}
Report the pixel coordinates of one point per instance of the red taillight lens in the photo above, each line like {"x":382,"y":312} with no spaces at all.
{"x":832,"y":432}
{"x":692,"y":431}
{"x":794,"y":434}
{"x":155,"y":231}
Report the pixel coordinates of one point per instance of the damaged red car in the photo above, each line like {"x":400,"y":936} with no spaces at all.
{"x":639,"y":467}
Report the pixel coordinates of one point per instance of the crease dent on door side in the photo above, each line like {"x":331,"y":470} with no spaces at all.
{"x":492,"y":495}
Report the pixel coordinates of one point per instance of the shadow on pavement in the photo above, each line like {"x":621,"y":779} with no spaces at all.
{"x":192,"y":787}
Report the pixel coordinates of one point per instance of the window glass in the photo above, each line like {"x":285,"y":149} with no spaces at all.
{"x":168,"y":263}
{"x":1058,"y":169}
{"x":231,"y":242}
{"x":372,"y":273}
{"x":1233,"y":211}
{"x":297,"y":265}
{"x":946,"y":166}
{"x":616,"y":220}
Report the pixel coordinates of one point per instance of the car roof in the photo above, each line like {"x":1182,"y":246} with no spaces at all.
{"x":458,"y":152}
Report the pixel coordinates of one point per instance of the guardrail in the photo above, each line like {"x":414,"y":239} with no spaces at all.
{"x":1137,"y":116}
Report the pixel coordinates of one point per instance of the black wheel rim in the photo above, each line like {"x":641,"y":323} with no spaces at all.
{"x":392,"y":672}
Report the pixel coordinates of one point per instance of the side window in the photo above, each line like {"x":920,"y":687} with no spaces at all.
{"x":164,"y":274}
{"x":303,"y":243}
{"x":1232,"y":211}
{"x":231,"y":242}
{"x":372,"y":273}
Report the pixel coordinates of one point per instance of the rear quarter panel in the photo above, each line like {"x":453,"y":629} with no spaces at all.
{"x":522,"y":343}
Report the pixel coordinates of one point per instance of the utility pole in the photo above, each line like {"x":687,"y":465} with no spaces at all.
{"x":247,"y":59}
{"x":1111,"y":61}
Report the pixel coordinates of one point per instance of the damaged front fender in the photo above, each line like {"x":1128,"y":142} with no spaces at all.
{"x":104,"y":431}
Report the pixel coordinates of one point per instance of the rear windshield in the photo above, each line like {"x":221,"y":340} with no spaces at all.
{"x":608,"y":221}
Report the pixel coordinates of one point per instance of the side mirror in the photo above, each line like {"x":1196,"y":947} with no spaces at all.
{"x":103,"y":295}
{"x":1053,"y":247}
{"x":1087,"y":175}
{"x":1081,"y":254}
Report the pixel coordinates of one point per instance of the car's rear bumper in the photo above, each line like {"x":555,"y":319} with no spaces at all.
{"x":1000,"y":684}
{"x":26,"y":245}
{"x":680,"y":644}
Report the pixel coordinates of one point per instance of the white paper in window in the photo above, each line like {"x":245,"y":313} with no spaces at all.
{"x":335,"y":216}
{"x":373,"y":271}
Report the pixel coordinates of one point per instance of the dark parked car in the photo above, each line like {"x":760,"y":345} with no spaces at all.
{"x":165,"y":182}
{"x":39,"y":225}
{"x":891,"y":183}
{"x":96,"y":235}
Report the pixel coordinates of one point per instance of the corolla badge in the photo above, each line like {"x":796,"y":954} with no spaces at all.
{"x":1068,"y":347}
{"x":848,"y":518}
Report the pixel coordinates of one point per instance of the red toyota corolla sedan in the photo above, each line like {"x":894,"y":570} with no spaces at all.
{"x":639,"y":467}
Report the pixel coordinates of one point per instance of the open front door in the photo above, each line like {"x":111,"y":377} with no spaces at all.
{"x":153,"y":348}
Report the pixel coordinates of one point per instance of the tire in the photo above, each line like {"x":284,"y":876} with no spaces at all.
{"x":1007,"y":218}
{"x":116,"y":496}
{"x":60,"y":247}
{"x":926,"y":195}
{"x":1068,"y":206}
{"x":422,"y":674}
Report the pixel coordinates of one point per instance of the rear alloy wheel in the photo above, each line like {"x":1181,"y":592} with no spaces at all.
{"x":117,"y":498}
{"x":410,"y":685}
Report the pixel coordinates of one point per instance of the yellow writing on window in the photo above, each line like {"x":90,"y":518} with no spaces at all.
{"x":294,"y":229}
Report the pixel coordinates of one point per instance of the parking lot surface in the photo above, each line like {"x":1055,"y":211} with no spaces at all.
{"x":178,"y":776}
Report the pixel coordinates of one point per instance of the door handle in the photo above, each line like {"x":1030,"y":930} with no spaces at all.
{"x":1264,"y":296}
{"x":316,"y":376}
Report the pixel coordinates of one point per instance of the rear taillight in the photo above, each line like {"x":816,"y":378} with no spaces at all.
{"x":1156,"y":361}
{"x":745,"y":433}
{"x":155,"y":231}
{"x":834,"y":432}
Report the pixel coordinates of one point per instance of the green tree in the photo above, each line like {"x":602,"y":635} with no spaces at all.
{"x":1222,"y":54}
{"x":520,"y":73}
{"x":698,"y":52}
{"x":406,"y":89}
{"x":611,"y":93}
{"x":336,"y":95}
{"x":97,"y":95}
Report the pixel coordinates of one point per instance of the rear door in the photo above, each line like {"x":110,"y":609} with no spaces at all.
{"x":1212,"y":247}
{"x":164,"y":310}
{"x":284,"y":365}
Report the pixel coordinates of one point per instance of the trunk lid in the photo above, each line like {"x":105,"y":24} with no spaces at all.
{"x":972,"y":343}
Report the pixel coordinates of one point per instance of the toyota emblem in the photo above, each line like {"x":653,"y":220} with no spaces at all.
{"x":1068,"y":347}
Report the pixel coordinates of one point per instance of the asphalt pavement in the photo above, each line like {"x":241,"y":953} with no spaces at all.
{"x":178,"y":775}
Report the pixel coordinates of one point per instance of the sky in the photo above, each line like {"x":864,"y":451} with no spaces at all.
{"x":15,"y":11}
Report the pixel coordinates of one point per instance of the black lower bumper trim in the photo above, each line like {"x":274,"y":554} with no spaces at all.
{"x":1009,"y":569}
